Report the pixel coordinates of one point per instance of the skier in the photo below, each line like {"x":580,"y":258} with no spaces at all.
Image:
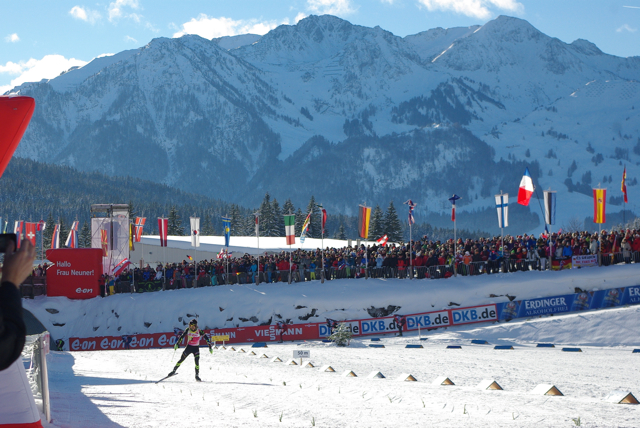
{"x":193,"y":335}
{"x":331,"y":325}
{"x":400,"y":322}
{"x":283,"y":327}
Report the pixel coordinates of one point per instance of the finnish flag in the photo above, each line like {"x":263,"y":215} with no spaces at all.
{"x":502,"y":206}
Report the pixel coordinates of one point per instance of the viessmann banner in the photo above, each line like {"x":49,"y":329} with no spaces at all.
{"x":422,"y":321}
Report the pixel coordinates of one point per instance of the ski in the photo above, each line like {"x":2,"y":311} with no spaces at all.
{"x":166,"y":377}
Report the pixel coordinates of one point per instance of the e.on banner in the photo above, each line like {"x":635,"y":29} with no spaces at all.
{"x":75,"y":272}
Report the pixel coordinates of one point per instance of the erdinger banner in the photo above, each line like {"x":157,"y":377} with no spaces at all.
{"x":585,"y":300}
{"x":75,"y":272}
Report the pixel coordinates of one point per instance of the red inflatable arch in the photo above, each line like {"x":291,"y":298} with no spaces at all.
{"x":15,"y":115}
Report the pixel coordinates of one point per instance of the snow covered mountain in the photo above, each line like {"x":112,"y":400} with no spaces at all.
{"x":352,"y":114}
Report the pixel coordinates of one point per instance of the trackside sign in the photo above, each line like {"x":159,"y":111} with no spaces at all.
{"x":504,"y":311}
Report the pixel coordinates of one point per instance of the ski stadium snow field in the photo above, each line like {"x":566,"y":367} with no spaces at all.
{"x":116,"y":388}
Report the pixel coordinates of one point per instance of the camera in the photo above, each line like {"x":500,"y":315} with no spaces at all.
{"x":5,"y":238}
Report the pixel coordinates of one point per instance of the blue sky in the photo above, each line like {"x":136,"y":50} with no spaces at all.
{"x":41,"y":38}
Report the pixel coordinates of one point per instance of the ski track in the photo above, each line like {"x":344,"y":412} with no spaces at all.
{"x":116,"y":388}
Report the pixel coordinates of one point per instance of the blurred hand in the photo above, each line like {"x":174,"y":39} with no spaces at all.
{"x":18,"y":265}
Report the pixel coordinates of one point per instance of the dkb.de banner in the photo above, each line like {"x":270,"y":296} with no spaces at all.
{"x":422,"y":321}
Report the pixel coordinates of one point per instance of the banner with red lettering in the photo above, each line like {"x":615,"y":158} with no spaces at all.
{"x":75,"y":272}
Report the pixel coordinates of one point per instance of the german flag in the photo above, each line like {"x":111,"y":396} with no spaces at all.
{"x":364,"y":214}
{"x":599,"y":202}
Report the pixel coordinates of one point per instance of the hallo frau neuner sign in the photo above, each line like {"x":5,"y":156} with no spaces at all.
{"x":75,"y":272}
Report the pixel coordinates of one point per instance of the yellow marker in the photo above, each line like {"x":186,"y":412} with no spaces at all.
{"x":224,"y":338}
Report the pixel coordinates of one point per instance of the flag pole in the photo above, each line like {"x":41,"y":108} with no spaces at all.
{"x":410,"y":255}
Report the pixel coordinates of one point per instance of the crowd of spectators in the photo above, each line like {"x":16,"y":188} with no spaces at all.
{"x":421,"y":259}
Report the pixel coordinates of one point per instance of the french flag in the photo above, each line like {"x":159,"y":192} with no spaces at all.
{"x":526,"y":188}
{"x":55,"y":238}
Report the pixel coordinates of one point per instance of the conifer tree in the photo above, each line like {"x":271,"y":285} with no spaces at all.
{"x":392,"y":225}
{"x":299,"y":221}
{"x":84,"y":240}
{"x":341,"y":234}
{"x":48,"y":232}
{"x":276,"y":225}
{"x":237,"y":221}
{"x":132,"y":212}
{"x":266,"y":216}
{"x":174,"y":227}
{"x":342,"y":335}
{"x":207,"y":227}
{"x":315,"y":226}
{"x":376,"y":229}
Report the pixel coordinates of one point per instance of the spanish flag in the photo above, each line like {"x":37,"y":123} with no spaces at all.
{"x":364,"y":214}
{"x":599,"y":201}
{"x":624,"y":185}
{"x":131,"y":236}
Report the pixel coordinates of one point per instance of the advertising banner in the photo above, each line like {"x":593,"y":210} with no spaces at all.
{"x":504,"y":311}
{"x":584,"y":261}
{"x":75,"y":272}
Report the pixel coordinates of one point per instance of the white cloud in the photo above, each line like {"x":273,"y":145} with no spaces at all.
{"x":12,"y":38}
{"x":83,"y":14}
{"x":388,"y":1}
{"x":34,"y":70}
{"x":130,"y":39}
{"x":209,"y":28}
{"x":474,"y":8}
{"x":626,"y":27}
{"x":300,"y":16}
{"x":330,"y":7}
{"x":118,"y":9}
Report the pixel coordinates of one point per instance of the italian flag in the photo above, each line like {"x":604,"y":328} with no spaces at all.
{"x":289,"y":228}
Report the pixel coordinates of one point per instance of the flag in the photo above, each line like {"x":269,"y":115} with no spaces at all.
{"x":72,"y":239}
{"x":364,"y":213}
{"x":624,"y":185}
{"x":195,"y":231}
{"x":226,"y":227}
{"x":189,"y":257}
{"x":305,"y":228}
{"x":4,"y":229}
{"x":289,"y":228}
{"x":549,"y":207}
{"x":382,"y":241}
{"x":599,"y":205}
{"x":30,"y":232}
{"x":453,"y":200}
{"x":104,"y":242}
{"x":42,"y":225}
{"x":55,"y":237}
{"x":222,"y":254}
{"x":139,"y":226}
{"x":526,"y":188}
{"x":17,"y":229}
{"x":502,"y":205}
{"x":117,"y":270}
{"x":163,"y":227}
{"x":411,"y":207}
{"x":324,"y":218}
{"x":257,"y":220}
{"x":132,"y":232}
